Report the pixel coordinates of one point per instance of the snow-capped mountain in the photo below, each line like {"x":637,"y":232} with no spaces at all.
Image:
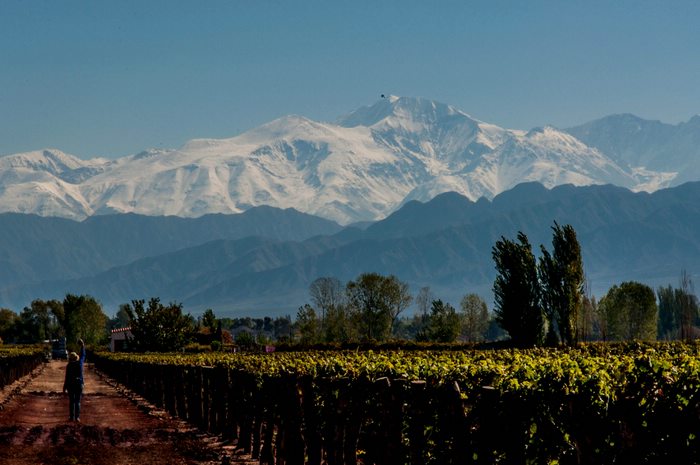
{"x":46,"y":182}
{"x":646,"y":145}
{"x":362,"y":167}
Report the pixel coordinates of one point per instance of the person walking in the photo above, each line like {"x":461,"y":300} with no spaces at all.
{"x":74,"y":382}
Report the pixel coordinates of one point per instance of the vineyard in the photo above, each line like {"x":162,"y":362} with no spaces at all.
{"x":16,"y":362}
{"x":628,"y":403}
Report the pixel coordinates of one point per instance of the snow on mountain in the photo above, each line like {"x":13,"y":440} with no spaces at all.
{"x":50,"y":160}
{"x":42,"y":182}
{"x":363,"y":167}
{"x":644,"y":145}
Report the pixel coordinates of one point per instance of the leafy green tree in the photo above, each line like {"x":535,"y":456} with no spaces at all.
{"x":245,"y":339}
{"x":337,"y":326}
{"x":375,"y":302}
{"x":561,"y":279}
{"x":9,"y":321}
{"x":443,"y":323}
{"x":307,"y":324}
{"x":83,"y":318}
{"x":209,"y":320}
{"x":159,"y":328}
{"x":629,"y":312}
{"x":516,"y":291}
{"x":39,"y":321}
{"x":475,"y":318}
{"x":368,"y":306}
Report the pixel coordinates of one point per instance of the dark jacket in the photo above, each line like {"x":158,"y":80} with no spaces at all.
{"x":74,"y":373}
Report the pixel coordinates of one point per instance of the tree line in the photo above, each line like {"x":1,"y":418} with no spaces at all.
{"x":544,"y":301}
{"x":76,"y":316}
{"x":369,"y":309}
{"x":537,"y":301}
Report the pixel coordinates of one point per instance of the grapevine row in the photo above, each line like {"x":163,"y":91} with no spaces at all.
{"x":16,"y":362}
{"x":594,"y":404}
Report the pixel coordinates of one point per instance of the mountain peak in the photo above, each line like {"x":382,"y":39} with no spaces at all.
{"x":694,"y":121}
{"x":404,"y":109}
{"x":50,"y":160}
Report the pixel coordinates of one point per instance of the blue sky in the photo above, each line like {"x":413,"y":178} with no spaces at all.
{"x":99,"y":78}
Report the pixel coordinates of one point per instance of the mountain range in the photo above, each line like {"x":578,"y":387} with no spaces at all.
{"x":406,"y":186}
{"x":261,"y":262}
{"x":363,"y":167}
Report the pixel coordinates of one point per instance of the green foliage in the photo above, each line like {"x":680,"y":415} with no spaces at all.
{"x":41,"y":320}
{"x":245,"y":339}
{"x":596,"y":403}
{"x":516,"y":291}
{"x":337,"y":326}
{"x":76,"y":317}
{"x":307,"y":324}
{"x":209,"y":320}
{"x":83,"y":318}
{"x":629,"y":312}
{"x":18,"y":361}
{"x":443,"y":323}
{"x":375,"y":302}
{"x":9,"y":322}
{"x":159,"y":328}
{"x":561,"y":279}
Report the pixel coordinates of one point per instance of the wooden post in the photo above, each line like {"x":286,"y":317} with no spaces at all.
{"x":207,"y":374}
{"x":292,"y":411}
{"x":233,"y":399}
{"x":417,"y":412}
{"x":247,"y":399}
{"x":180,"y":394}
{"x":312,"y":431}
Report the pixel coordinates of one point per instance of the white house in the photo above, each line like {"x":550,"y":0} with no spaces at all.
{"x":118,"y":339}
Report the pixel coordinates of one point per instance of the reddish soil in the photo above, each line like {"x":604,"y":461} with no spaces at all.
{"x":116,"y":428}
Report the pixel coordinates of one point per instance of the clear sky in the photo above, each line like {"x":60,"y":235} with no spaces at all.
{"x":111,"y":78}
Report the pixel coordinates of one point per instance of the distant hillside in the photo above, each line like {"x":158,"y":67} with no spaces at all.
{"x":445,"y":244}
{"x":36,"y":249}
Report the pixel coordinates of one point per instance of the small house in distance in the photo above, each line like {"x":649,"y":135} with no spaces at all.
{"x":119,"y":339}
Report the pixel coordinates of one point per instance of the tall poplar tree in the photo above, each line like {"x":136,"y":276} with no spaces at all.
{"x":516,"y":291}
{"x":562,"y":279}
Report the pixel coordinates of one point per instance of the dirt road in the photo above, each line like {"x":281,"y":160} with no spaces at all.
{"x":34,"y":428}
